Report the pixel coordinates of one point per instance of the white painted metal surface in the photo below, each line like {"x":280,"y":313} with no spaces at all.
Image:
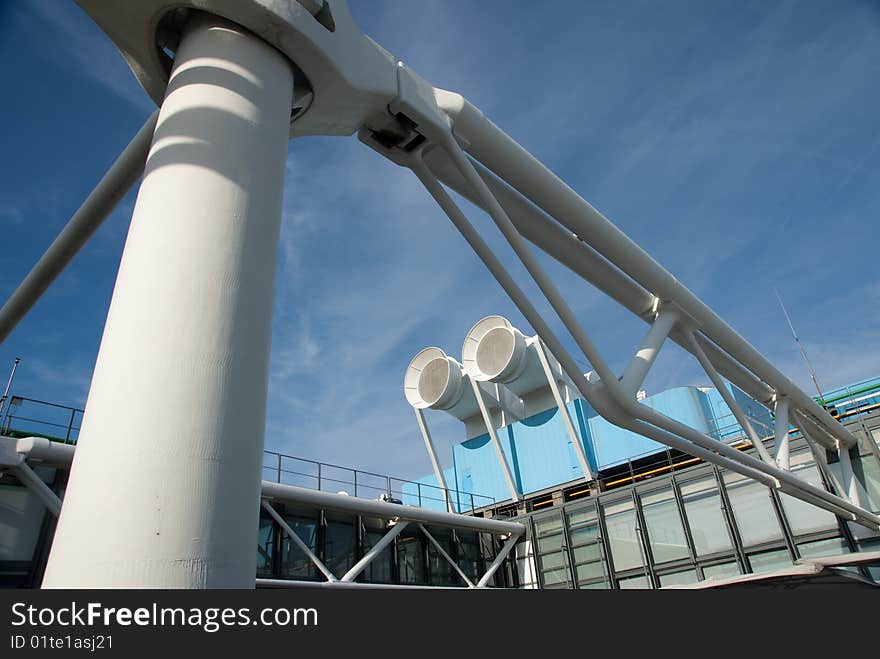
{"x":188,"y":333}
{"x":189,"y":323}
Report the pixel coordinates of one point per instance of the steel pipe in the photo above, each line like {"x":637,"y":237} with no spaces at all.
{"x":629,"y":410}
{"x":375,"y":550}
{"x":359,"y":506}
{"x":781,"y":440}
{"x":635,"y":372}
{"x":112,"y":187}
{"x":36,"y":485}
{"x":725,"y":394}
{"x":584,"y":261}
{"x":516,"y":166}
{"x":294,"y":537}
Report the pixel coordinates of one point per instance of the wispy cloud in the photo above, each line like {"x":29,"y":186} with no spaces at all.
{"x":74,"y":41}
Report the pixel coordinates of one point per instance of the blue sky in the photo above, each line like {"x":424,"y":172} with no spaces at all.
{"x":738,"y":142}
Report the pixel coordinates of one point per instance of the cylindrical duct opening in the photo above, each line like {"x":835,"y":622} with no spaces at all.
{"x":433,"y":380}
{"x":494,"y":350}
{"x":500,"y":354}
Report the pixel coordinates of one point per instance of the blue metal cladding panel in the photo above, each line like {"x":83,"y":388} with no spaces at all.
{"x":725,"y":424}
{"x":476,"y":466}
{"x":613,"y":445}
{"x":538,"y":451}
{"x":540,"y":454}
{"x":543,"y":452}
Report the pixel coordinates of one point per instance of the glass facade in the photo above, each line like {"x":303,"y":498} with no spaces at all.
{"x":340,"y":540}
{"x":698,"y":524}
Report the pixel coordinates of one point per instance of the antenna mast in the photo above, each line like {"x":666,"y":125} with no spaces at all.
{"x":801,"y":348}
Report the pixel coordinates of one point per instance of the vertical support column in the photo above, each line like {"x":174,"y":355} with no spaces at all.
{"x":782,"y":438}
{"x":176,"y":505}
{"x":635,"y":372}
{"x":435,"y":462}
{"x":490,"y":428}
{"x":848,"y":476}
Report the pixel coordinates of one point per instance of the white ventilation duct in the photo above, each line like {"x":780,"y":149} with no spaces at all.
{"x":436,"y":381}
{"x":495,"y":351}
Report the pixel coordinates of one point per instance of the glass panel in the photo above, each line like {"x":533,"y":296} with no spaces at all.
{"x":620,"y":519}
{"x":555,"y":560}
{"x":410,"y":559}
{"x":265,"y":547}
{"x":581,"y":516}
{"x":379,"y":569}
{"x":469,"y":556}
{"x":831,"y":547}
{"x":553,"y":577}
{"x":665,"y":532}
{"x":766,"y":561}
{"x":596,"y":585}
{"x":295,"y":564}
{"x":721,"y":571}
{"x":871,"y":472}
{"x":585,"y":534}
{"x":752,"y":508}
{"x":590,"y":571}
{"x":702,"y":505}
{"x":802,"y":516}
{"x":585,"y":553}
{"x":440,"y":570}
{"x":340,"y":547}
{"x":551,"y":543}
{"x":674,"y":578}
{"x":548,"y":525}
{"x":633,"y":583}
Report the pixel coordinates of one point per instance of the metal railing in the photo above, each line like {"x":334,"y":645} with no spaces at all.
{"x":29,"y":416}
{"x":327,"y":477}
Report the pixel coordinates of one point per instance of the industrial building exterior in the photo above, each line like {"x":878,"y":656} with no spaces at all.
{"x":651,"y":518}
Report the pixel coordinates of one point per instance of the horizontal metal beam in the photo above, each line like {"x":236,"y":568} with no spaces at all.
{"x":293,"y":494}
{"x":290,"y":583}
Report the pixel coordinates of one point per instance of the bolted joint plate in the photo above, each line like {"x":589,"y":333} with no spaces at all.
{"x":343,"y":78}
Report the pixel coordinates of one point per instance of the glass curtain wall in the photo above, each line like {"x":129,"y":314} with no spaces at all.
{"x":702,"y":523}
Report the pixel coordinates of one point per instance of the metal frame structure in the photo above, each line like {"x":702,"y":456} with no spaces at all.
{"x":14,"y":454}
{"x":321,"y":75}
{"x":725,"y":504}
{"x":401,"y":515}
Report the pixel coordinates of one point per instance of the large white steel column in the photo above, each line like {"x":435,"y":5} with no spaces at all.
{"x":165,"y":486}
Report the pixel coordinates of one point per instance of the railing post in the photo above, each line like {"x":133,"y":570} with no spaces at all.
{"x":69,"y":426}
{"x":419,"y":489}
{"x":388,"y":483}
{"x":319,"y":476}
{"x":355,"y":482}
{"x":279,"y":467}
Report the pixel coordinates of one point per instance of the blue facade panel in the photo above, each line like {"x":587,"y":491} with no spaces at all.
{"x":614,"y":445}
{"x":538,"y":450}
{"x":541,"y":456}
